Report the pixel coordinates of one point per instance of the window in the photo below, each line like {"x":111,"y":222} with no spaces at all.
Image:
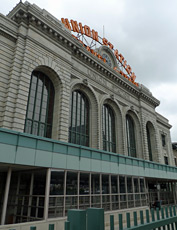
{"x":175,"y":161}
{"x":149,"y":143}
{"x":108,"y":122}
{"x":79,"y":119}
{"x":39,"y":114}
{"x":163,"y":140}
{"x":166,"y":160}
{"x":130,"y":136}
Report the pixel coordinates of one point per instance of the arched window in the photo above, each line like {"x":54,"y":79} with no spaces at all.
{"x":79,"y":119}
{"x":108,"y":127}
{"x":39,"y":114}
{"x":131,"y":145}
{"x":148,"y":126}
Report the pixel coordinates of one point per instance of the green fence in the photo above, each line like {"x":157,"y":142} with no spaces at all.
{"x":93,"y":219}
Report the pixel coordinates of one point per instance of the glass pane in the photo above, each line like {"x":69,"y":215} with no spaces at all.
{"x":114,"y":186}
{"x":71,"y":183}
{"x":95,"y":184}
{"x":40,"y":105}
{"x":84,"y":184}
{"x":39,"y":183}
{"x":105,"y":184}
{"x":129,"y":185}
{"x":136,"y":185}
{"x":79,"y":119}
{"x":108,"y":128}
{"x":57,"y":183}
{"x":122,"y":184}
{"x":142,"y":186}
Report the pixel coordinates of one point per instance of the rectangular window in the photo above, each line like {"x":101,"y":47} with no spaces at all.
{"x":175,"y":161}
{"x":166,"y":160}
{"x":163,"y":140}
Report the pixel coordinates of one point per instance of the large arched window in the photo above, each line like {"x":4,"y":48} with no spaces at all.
{"x":79,"y":119}
{"x":131,"y":145}
{"x":39,"y":114}
{"x":108,"y":127}
{"x":149,"y":141}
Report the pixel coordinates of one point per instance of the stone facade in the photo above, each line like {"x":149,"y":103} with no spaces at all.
{"x":32,"y":39}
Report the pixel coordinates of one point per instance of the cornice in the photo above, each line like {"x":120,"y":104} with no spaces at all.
{"x":45,"y":22}
{"x":9,"y":36}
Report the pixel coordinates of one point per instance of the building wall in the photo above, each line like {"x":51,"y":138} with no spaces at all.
{"x":34,"y":40}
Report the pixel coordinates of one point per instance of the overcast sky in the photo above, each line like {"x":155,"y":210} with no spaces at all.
{"x":144,"y":31}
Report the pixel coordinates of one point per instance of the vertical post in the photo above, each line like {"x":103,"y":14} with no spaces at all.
{"x":67,"y":225}
{"x":110,"y":192}
{"x":174,"y":214}
{"x":111,"y":222}
{"x":152,"y":214}
{"x":90,"y":189}
{"x":166,"y":212}
{"x":64,"y":201}
{"x":33,"y":228}
{"x":158,"y":217}
{"x":78,"y":186}
{"x":47,"y":189}
{"x":51,"y":226}
{"x":118,"y":191}
{"x":128,"y":220}
{"x":162,"y":216}
{"x":141,"y":217}
{"x":135,"y":218}
{"x":147,"y":216}
{"x":101,"y":196}
{"x":120,"y":222}
{"x":30,"y":195}
{"x":6,"y":194}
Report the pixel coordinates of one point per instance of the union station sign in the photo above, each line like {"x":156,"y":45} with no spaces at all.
{"x":91,"y":33}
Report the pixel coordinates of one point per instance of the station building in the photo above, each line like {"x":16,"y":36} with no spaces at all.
{"x":75,"y":131}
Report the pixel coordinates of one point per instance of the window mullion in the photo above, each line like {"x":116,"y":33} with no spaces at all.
{"x":41,"y":107}
{"x":47,"y":110}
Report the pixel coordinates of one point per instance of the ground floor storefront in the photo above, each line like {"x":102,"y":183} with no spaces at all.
{"x":39,"y":193}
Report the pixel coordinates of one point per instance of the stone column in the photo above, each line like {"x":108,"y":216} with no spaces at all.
{"x":47,"y":190}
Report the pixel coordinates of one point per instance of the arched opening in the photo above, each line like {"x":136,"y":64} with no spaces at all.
{"x":39,"y":115}
{"x":131,"y":142}
{"x":79,"y":119}
{"x":150,"y":132}
{"x":149,"y":143}
{"x":108,"y":129}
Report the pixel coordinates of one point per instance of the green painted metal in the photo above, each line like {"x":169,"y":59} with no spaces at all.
{"x":155,"y":224}
{"x":67,"y":225}
{"x":27,"y":149}
{"x":111,"y":222}
{"x":167,"y":215}
{"x":162,"y":215}
{"x":120,"y":222}
{"x":33,"y":228}
{"x":51,"y":226}
{"x":77,"y":219}
{"x":168,"y":221}
{"x":174,"y":213}
{"x":95,"y":219}
{"x":135,"y":218}
{"x":147,"y":216}
{"x":128,"y":220}
{"x":152,"y":215}
{"x":141,"y":217}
